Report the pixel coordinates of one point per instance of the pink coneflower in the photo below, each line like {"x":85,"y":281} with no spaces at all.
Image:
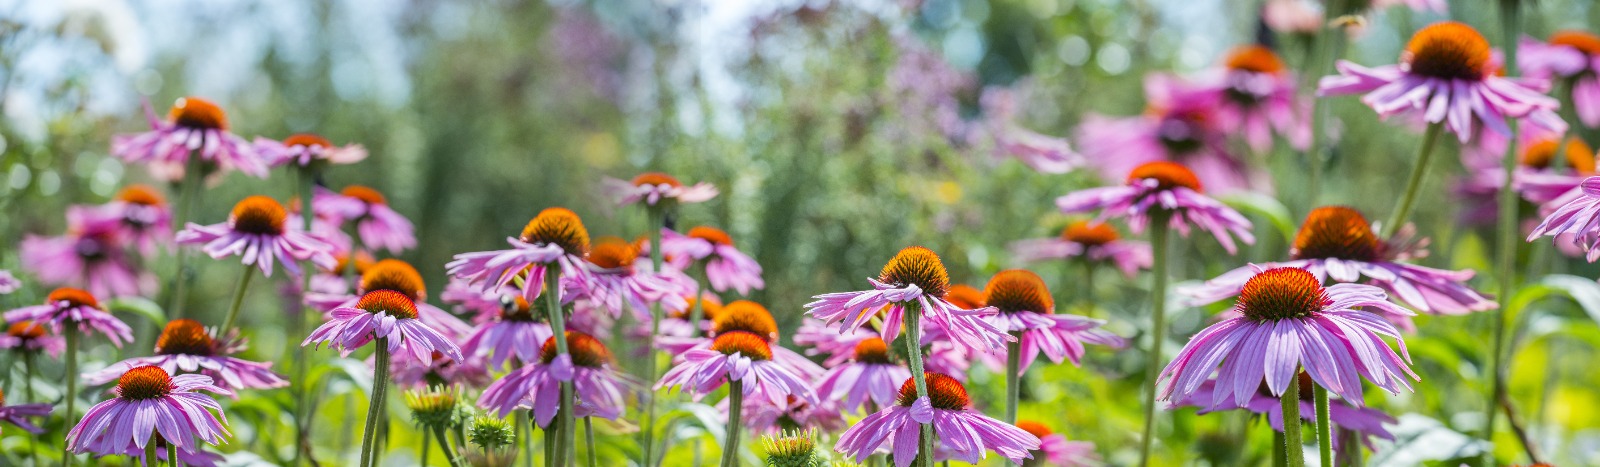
{"x":188,"y":347}
{"x":914,"y":277}
{"x":305,"y":150}
{"x":1445,"y":76}
{"x":91,"y":255}
{"x":141,"y":215}
{"x":962,"y":434}
{"x":194,"y":125}
{"x":763,"y":417}
{"x":1181,"y":126}
{"x":726,"y":267}
{"x":1092,"y":241}
{"x":619,"y":279}
{"x":468,"y":300}
{"x":740,"y":356}
{"x":555,"y":237}
{"x":28,"y":336}
{"x":18,"y":414}
{"x":1538,"y":177}
{"x":834,"y":345}
{"x":1169,"y":189}
{"x":1366,"y":421}
{"x":1577,"y":215}
{"x":1027,"y":309}
{"x":151,"y":404}
{"x":870,"y":376}
{"x":658,"y":188}
{"x":1303,"y":17}
{"x":384,"y":314}
{"x":1055,"y":449}
{"x":399,"y":276}
{"x":439,"y":371}
{"x":1570,"y":55}
{"x":514,"y":331}
{"x":745,"y":316}
{"x":599,"y":389}
{"x":378,"y":225}
{"x":1257,"y":99}
{"x":257,"y":230}
{"x":1335,"y":243}
{"x":8,"y":282}
{"x":74,"y":307}
{"x":1287,"y":319}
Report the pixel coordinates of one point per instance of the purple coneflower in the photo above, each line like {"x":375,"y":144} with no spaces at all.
{"x":1055,"y":449}
{"x":597,"y":387}
{"x":69,"y":309}
{"x":382,"y":314}
{"x":1028,"y":313}
{"x":743,"y":360}
{"x":305,"y":149}
{"x":1573,"y":56}
{"x":1181,"y":127}
{"x":746,"y":316}
{"x":140,"y":214}
{"x":913,"y":278}
{"x":29,"y":336}
{"x":619,"y":279}
{"x":555,"y":237}
{"x":1578,"y":215}
{"x":725,"y":266}
{"x":8,"y":282}
{"x":258,"y":231}
{"x":18,"y":414}
{"x":399,"y":276}
{"x":658,"y":188}
{"x":963,"y":434}
{"x":1165,"y":188}
{"x":439,"y":371}
{"x":765,"y":418}
{"x":152,"y":405}
{"x":194,"y":125}
{"x":1365,"y":421}
{"x":513,"y":331}
{"x":870,"y":376}
{"x":1257,"y":99}
{"x":1090,"y":241}
{"x":188,"y":347}
{"x":377,"y":224}
{"x":91,"y":255}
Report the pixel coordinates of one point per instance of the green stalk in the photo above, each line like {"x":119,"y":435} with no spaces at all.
{"x":188,"y":194}
{"x":380,"y":380}
{"x":1402,"y":209}
{"x":523,"y":422}
{"x":1506,"y":263}
{"x":648,"y":429}
{"x":913,"y":337}
{"x":238,"y":298}
{"x":1279,"y":458}
{"x":1291,"y":424}
{"x":444,"y":445}
{"x":558,"y":327}
{"x":150,"y":458}
{"x":297,"y":326}
{"x":730,"y":451}
{"x":588,"y":438}
{"x":71,"y":332}
{"x":697,"y":311}
{"x":422,"y":455}
{"x":1013,"y":376}
{"x":1160,"y":249}
{"x":172,"y":456}
{"x":1324,"y":433}
{"x":27,"y":388}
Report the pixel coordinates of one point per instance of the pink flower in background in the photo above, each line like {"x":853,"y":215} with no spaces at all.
{"x":1027,"y":309}
{"x":305,"y":150}
{"x":764,"y":417}
{"x":1181,"y":126}
{"x":1366,"y":421}
{"x":1573,"y":56}
{"x":1576,"y":215}
{"x":1258,"y":99}
{"x":19,"y":414}
{"x":257,"y":230}
{"x":195,"y":126}
{"x":963,"y":434}
{"x":870,"y":376}
{"x":383,"y":314}
{"x":91,"y":255}
{"x":185,"y":346}
{"x":512,"y":331}
{"x":149,"y":401}
{"x":378,"y":225}
{"x":1045,"y":154}
{"x":1446,"y":76}
{"x":556,"y":237}
{"x":8,"y":282}
{"x":1055,"y":449}
{"x":441,"y":370}
{"x":658,"y":188}
{"x":725,"y":266}
{"x":915,"y":276}
{"x":618,"y":278}
{"x":1095,"y":242}
{"x":598,"y":388}
{"x":140,"y":215}
{"x":738,"y":356}
{"x":1162,"y":187}
{"x":1293,"y":16}
{"x":29,"y":336}
{"x":74,"y":307}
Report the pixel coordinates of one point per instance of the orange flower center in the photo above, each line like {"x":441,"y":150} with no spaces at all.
{"x":73,"y":297}
{"x":1038,"y":430}
{"x":918,"y":266}
{"x":363,"y":261}
{"x":1254,"y":58}
{"x":365,"y":194}
{"x":742,"y":342}
{"x":1167,"y":174}
{"x":710,"y":308}
{"x":560,"y":227}
{"x":25,"y":329}
{"x":613,"y":253}
{"x":711,"y":234}
{"x":184,"y":336}
{"x":656,"y":178}
{"x":194,"y":112}
{"x":1089,"y":233}
{"x":519,"y":311}
{"x":943,"y":391}
{"x":1017,"y":291}
{"x":747,"y":316}
{"x":145,"y":382}
{"x":396,"y":275}
{"x":141,"y":194}
{"x":1447,"y":50}
{"x":308,"y":140}
{"x":1584,"y":41}
{"x":259,"y":215}
{"x":873,"y":350}
{"x":1281,"y":293}
{"x":965,"y":296}
{"x":586,"y":351}
{"x":1542,"y":153}
{"x":394,"y":303}
{"x":1337,"y":232}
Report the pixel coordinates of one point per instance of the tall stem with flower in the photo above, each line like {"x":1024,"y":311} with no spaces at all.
{"x":380,"y":384}
{"x":307,"y":180}
{"x":558,"y":329}
{"x":913,"y":338}
{"x":71,"y":373}
{"x":1511,"y":24}
{"x":188,"y":195}
{"x":657,"y":221}
{"x":1160,"y":248}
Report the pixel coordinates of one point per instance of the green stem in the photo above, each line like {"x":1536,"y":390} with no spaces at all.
{"x":550,"y":442}
{"x":1511,"y":21}
{"x":1279,"y":459}
{"x":27,"y":388}
{"x":1013,"y":376}
{"x":1160,"y":249}
{"x":1324,"y":433}
{"x":558,"y":327}
{"x":297,"y":324}
{"x":422,"y":456}
{"x":1329,"y":46}
{"x":1088,"y":287}
{"x":238,"y":299}
{"x":150,"y":458}
{"x":1402,"y":209}
{"x":172,"y":456}
{"x":71,"y":332}
{"x":648,"y":430}
{"x":380,"y":379}
{"x":1291,"y":424}
{"x":730,"y":451}
{"x":588,"y":438}
{"x":913,"y":337}
{"x":350,"y":269}
{"x":444,"y":445}
{"x":697,"y":312}
{"x":188,"y":195}
{"x":524,"y":429}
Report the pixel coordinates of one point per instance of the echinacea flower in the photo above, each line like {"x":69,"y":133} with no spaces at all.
{"x":1055,"y":449}
{"x":963,"y":434}
{"x":870,"y":376}
{"x":555,"y":237}
{"x":1158,"y":190}
{"x":1182,"y":126}
{"x":306,"y":150}
{"x":1335,"y":243}
{"x":764,"y":417}
{"x":1027,"y":309}
{"x":1446,"y":77}
{"x":151,"y":403}
{"x":743,"y":316}
{"x":514,"y":331}
{"x":737,"y":356}
{"x":438,"y":371}
{"x":596,"y":385}
{"x":74,"y":307}
{"x":378,"y":225}
{"x":91,"y":255}
{"x":29,"y":336}
{"x":8,"y":282}
{"x":18,"y":414}
{"x":1092,"y":241}
{"x":1288,"y":319}
{"x":258,"y":231}
{"x":655,"y":188}
{"x":185,"y":346}
{"x":1569,"y":55}
{"x":1257,"y":98}
{"x":140,"y":214}
{"x":387,"y":315}
{"x":726,"y":267}
{"x":618,"y":278}
{"x":1578,"y":215}
{"x":1366,"y":421}
{"x":399,"y":276}
{"x":914,"y":277}
{"x":195,"y":126}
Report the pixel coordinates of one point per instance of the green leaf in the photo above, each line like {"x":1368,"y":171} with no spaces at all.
{"x":1584,"y":292}
{"x":139,"y":306}
{"x":1264,"y":206}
